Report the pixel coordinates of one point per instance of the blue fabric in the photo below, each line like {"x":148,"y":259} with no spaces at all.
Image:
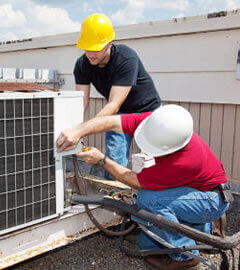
{"x":185,"y":205}
{"x":117,"y":148}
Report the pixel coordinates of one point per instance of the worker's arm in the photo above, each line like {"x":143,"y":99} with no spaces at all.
{"x":69,"y":138}
{"x":121,"y":173}
{"x":86,"y":90}
{"x":117,"y":96}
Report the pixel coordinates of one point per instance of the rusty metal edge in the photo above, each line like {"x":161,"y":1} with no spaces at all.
{"x":56,"y":243}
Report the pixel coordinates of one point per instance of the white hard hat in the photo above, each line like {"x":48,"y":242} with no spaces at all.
{"x":166,"y":130}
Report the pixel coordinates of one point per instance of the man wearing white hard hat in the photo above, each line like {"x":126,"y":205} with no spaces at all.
{"x":182,"y":186}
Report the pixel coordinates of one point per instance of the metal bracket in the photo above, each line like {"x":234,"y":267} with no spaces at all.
{"x":43,"y":76}
{"x":238,"y":66}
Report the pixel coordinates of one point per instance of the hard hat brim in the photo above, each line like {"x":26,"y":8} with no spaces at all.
{"x":92,"y":48}
{"x":143,"y":143}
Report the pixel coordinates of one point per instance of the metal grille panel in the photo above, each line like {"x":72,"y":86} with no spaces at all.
{"x":27,"y":165}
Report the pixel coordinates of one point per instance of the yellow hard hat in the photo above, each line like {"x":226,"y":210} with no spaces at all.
{"x":96,"y":32}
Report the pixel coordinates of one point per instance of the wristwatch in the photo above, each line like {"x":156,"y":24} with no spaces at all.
{"x":101,"y":162}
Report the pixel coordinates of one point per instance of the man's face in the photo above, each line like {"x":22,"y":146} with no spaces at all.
{"x":99,"y":58}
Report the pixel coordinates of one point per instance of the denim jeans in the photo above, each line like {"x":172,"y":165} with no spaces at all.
{"x":117,"y":148}
{"x":185,"y":205}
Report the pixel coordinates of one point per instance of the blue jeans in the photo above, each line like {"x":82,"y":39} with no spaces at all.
{"x":194,"y":208}
{"x":117,"y":148}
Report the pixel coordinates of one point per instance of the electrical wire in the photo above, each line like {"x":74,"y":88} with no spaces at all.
{"x":82,"y":191}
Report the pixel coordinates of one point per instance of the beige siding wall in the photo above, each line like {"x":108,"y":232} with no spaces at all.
{"x":97,"y":140}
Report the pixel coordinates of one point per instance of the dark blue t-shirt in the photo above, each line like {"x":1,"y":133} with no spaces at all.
{"x":123,"y":69}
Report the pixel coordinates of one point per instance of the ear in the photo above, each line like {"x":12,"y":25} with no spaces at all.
{"x":109,"y":44}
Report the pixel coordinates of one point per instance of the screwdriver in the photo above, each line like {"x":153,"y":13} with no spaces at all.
{"x":84,"y":147}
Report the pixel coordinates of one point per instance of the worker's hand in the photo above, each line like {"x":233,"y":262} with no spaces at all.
{"x":68,"y":139}
{"x":92,"y":156}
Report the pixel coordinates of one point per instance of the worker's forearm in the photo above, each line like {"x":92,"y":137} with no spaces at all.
{"x":86,"y":90}
{"x":100,"y":124}
{"x":69,"y":138}
{"x":122,"y":174}
{"x":85,"y":103}
{"x":108,"y":109}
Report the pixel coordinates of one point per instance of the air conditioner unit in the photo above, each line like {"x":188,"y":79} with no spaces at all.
{"x":31,"y":171}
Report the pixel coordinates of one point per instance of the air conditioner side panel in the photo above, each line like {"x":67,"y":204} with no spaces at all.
{"x":68,"y":112}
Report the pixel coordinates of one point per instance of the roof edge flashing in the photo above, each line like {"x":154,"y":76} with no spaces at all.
{"x":224,"y":20}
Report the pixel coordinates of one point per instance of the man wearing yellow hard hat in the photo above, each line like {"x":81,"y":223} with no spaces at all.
{"x":118,"y":74}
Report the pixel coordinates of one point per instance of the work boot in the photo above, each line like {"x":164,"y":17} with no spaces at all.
{"x":164,"y":262}
{"x":219,"y":226}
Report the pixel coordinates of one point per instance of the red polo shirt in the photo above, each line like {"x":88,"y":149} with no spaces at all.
{"x":193,"y":166}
